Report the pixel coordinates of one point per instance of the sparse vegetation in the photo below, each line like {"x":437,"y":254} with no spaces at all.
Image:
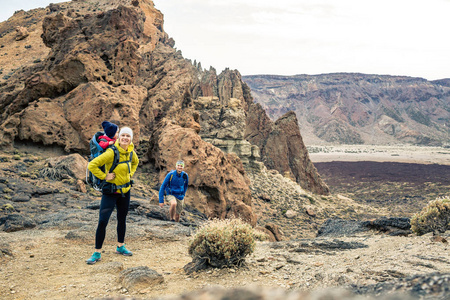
{"x":435,"y":217}
{"x":223,"y":242}
{"x":7,"y":190}
{"x":260,"y":236}
{"x":50,"y":173}
{"x":419,"y":117}
{"x":394,"y":114}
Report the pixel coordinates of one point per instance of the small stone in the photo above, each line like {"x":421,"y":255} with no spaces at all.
{"x":290,"y":214}
{"x":438,"y":239}
{"x":310,"y":212}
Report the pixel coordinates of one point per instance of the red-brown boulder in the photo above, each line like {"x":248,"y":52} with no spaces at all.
{"x":217,"y":184}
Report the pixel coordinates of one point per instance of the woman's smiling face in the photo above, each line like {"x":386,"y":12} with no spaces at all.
{"x":124,"y":140}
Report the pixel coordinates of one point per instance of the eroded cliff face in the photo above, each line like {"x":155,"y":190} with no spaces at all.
{"x":282,"y":149}
{"x":217,"y":181}
{"x":112,"y":60}
{"x":91,"y":73}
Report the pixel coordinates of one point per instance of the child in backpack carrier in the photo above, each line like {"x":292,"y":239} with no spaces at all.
{"x":111,"y":134}
{"x":98,"y":144}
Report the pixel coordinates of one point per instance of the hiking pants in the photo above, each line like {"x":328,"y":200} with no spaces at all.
{"x":106,"y":208}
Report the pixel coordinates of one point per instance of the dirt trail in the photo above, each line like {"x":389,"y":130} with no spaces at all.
{"x":48,"y":266}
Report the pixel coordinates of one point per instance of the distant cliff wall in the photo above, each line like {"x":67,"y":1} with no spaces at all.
{"x":346,"y":108}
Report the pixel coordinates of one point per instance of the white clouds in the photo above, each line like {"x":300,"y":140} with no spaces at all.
{"x":397,"y":37}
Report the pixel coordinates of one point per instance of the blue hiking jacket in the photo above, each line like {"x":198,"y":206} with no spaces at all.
{"x":176,"y":187}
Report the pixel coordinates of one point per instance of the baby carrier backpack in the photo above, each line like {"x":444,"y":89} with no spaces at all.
{"x":96,"y":150}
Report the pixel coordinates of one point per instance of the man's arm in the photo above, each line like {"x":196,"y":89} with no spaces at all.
{"x":161,"y":190}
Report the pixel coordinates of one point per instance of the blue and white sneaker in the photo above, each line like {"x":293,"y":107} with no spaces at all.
{"x":124,"y":251}
{"x":94,"y":258}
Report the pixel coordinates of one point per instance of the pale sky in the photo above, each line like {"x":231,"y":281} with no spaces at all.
{"x":287,"y":37}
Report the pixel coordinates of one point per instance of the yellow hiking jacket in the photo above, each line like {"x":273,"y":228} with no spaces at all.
{"x":123,"y":172}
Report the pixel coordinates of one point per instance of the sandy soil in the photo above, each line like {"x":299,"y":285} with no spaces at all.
{"x":45,"y":265}
{"x":399,"y":153}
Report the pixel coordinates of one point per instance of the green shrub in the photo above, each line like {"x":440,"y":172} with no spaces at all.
{"x":260,"y":236}
{"x":223,"y":243}
{"x":435,"y":217}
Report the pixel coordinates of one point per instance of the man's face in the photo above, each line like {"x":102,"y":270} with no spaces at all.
{"x":180,"y":168}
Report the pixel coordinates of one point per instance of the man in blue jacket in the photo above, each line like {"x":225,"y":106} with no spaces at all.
{"x":174,"y":188}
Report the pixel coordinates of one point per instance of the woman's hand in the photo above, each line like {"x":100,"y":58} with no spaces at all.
{"x":110,"y":176}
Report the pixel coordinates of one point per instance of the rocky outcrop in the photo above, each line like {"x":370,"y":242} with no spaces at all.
{"x":282,"y":149}
{"x":77,"y":85}
{"x":230,"y":116}
{"x":111,"y":61}
{"x":339,"y":227}
{"x":358,"y":108}
{"x":224,"y":127}
{"x":21,"y":33}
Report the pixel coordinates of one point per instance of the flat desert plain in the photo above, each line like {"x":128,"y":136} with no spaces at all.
{"x":397,"y":153}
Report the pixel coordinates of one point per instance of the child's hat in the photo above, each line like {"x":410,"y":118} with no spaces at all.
{"x":110,"y":129}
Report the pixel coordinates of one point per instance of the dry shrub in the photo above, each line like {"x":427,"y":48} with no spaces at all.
{"x":56,"y":173}
{"x":435,"y":217}
{"x":223,"y":242}
{"x":260,"y":236}
{"x":51,"y":173}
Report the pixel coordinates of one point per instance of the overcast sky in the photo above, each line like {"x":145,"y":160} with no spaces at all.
{"x":287,"y":37}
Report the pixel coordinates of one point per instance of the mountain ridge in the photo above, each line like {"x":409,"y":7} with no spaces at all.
{"x":356,"y":108}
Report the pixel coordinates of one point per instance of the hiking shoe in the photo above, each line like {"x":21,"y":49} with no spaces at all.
{"x":124,"y":251}
{"x":94,"y":258}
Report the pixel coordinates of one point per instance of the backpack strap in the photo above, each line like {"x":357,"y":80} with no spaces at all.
{"x":116,"y":158}
{"x":170,"y":180}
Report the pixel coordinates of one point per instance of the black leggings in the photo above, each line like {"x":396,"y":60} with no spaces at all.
{"x":106,"y":208}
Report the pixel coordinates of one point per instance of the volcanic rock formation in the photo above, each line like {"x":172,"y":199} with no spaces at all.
{"x":112,"y":60}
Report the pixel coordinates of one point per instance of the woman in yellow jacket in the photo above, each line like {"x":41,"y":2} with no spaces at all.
{"x":116,"y":191}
